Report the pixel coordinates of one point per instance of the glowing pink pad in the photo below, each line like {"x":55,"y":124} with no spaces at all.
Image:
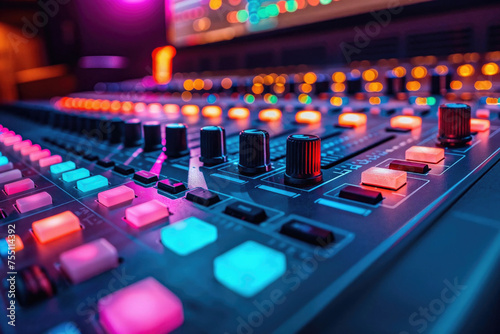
{"x":145,"y":307}
{"x":33,"y":202}
{"x":10,"y":175}
{"x":146,"y":213}
{"x":385,"y":178}
{"x":9,"y":141}
{"x":49,"y":161}
{"x":89,"y":260}
{"x":18,"y":146}
{"x":19,"y":186}
{"x":30,"y":149}
{"x":6,"y":135}
{"x":35,"y":156}
{"x":116,"y":196}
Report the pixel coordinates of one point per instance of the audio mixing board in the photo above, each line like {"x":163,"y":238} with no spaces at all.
{"x":138,"y":209}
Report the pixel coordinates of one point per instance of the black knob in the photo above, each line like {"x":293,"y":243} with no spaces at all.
{"x":132,"y":133}
{"x":115,"y":130}
{"x":454,"y":124}
{"x":176,"y":140}
{"x":254,"y":152}
{"x":354,"y":84}
{"x":152,"y":136}
{"x":303,"y":160}
{"x":104,"y":124}
{"x":213,"y":145}
{"x":440,"y":84}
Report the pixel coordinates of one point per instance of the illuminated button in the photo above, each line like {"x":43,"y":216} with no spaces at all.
{"x":33,"y":202}
{"x":425,"y":154}
{"x":75,"y":175}
{"x":145,"y":307}
{"x":9,"y":141}
{"x":89,"y":260}
{"x":238,"y":113}
{"x":408,"y":111}
{"x":6,"y":167}
{"x":406,"y":122}
{"x":190,"y":110}
{"x":18,"y":146}
{"x":308,"y":117}
{"x":6,"y":135}
{"x":211,"y":111}
{"x":479,"y":125}
{"x":10,"y":175}
{"x":12,"y":242}
{"x":56,"y":226}
{"x":30,"y":149}
{"x":62,"y":167}
{"x":92,"y":183}
{"x":270,"y":115}
{"x":116,"y":196}
{"x":35,"y":156}
{"x":483,"y":113}
{"x":4,"y":161}
{"x":64,"y":328}
{"x":19,"y":186}
{"x":188,"y":235}
{"x":249,"y":268}
{"x":146,"y":213}
{"x":49,"y":161}
{"x":352,"y":120}
{"x":385,"y":178}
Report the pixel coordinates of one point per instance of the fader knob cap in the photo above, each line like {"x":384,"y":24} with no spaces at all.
{"x":152,"y":136}
{"x":213,"y":145}
{"x":303,"y":160}
{"x":454,"y":124}
{"x":132,"y":133}
{"x":254,"y":152}
{"x":176,"y":140}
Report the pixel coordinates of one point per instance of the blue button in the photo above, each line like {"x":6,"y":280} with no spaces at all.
{"x":76,"y":174}
{"x":64,"y":328}
{"x":249,"y":268}
{"x":62,"y":167}
{"x":3,"y":160}
{"x":92,"y":183}
{"x":188,"y":235}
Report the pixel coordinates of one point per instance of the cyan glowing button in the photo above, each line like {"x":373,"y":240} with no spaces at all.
{"x":4,"y":161}
{"x":188,"y":235}
{"x":249,"y":268}
{"x":145,"y":307}
{"x":62,"y":167}
{"x":64,"y":328}
{"x":92,"y":183}
{"x":116,"y":196}
{"x":75,"y":175}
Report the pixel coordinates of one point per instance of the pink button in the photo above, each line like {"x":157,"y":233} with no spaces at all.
{"x":89,"y":260}
{"x":33,"y":202}
{"x":35,"y":156}
{"x":385,"y":178}
{"x":146,"y":213}
{"x":49,"y":161}
{"x":6,"y":135}
{"x":145,"y":307}
{"x":116,"y":196}
{"x":30,"y":149}
{"x":9,"y":141}
{"x":11,"y":175}
{"x":6,"y":167}
{"x":19,"y":186}
{"x":18,"y":146}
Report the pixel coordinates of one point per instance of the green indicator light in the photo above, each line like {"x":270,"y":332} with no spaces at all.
{"x":273,"y":99}
{"x":242,"y":16}
{"x":431,"y":101}
{"x":325,"y":2}
{"x":262,"y":13}
{"x":249,"y":98}
{"x":273,"y":10}
{"x":291,"y":6}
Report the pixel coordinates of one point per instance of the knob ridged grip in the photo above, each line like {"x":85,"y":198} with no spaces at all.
{"x":152,"y":136}
{"x":303,"y":160}
{"x":176,"y":140}
{"x":254,"y":152}
{"x":454,"y":124}
{"x":213,"y":145}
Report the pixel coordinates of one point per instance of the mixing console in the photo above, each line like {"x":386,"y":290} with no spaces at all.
{"x":230,"y":204}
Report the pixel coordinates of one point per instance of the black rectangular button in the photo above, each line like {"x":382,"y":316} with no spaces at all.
{"x":171,"y":186}
{"x":361,"y":195}
{"x":90,"y":157}
{"x":124,"y":170}
{"x":106,"y":163}
{"x":400,"y":130}
{"x":246,"y":212}
{"x":407,"y":166}
{"x":202,"y":196}
{"x":305,"y":232}
{"x":145,"y":177}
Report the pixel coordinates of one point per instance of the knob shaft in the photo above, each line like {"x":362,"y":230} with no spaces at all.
{"x":254,"y":152}
{"x":303,"y":160}
{"x":115,"y":130}
{"x":176,"y":140}
{"x":152,"y":136}
{"x":454,"y":124}
{"x":132,"y":133}
{"x":213,"y":145}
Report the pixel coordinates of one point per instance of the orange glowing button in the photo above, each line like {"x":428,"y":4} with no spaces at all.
{"x":406,"y":122}
{"x":211,"y":111}
{"x":190,"y":110}
{"x":479,"y":125}
{"x":270,"y":115}
{"x":55,"y":227}
{"x":15,"y":243}
{"x":238,"y":113}
{"x":162,"y":64}
{"x":171,"y":109}
{"x":425,"y":154}
{"x":352,"y":119}
{"x":308,"y":117}
{"x":480,"y":113}
{"x":385,"y":178}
